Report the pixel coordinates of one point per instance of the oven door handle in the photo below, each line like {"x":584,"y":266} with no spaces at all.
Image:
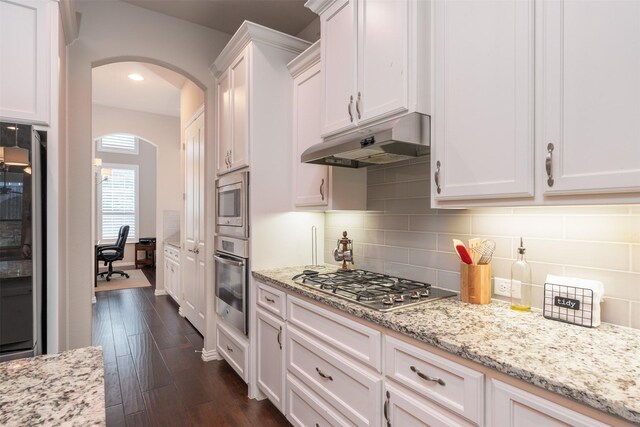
{"x":229,"y":261}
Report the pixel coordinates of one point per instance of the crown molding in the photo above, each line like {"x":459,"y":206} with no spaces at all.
{"x":318,"y":6}
{"x":305,"y":60}
{"x":250,"y":32}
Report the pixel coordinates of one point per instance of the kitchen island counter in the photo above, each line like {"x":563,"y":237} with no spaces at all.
{"x":58,"y":389}
{"x":598,"y":367}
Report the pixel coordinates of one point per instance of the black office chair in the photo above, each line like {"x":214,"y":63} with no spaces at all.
{"x":111,"y":253}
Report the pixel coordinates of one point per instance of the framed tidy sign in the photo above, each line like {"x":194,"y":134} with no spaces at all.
{"x":568,"y":304}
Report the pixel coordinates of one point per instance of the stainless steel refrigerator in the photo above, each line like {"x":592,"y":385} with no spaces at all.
{"x":21,"y":243}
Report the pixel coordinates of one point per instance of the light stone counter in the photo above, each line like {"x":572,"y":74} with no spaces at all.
{"x":598,"y":367}
{"x":58,"y":389}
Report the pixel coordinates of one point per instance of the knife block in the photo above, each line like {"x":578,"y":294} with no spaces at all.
{"x":475,"y":283}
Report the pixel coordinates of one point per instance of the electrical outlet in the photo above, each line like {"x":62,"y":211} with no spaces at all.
{"x":503,"y":287}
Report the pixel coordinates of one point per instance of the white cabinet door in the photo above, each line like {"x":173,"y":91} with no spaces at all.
{"x":383,"y":67}
{"x":194,"y":257}
{"x":271,"y":362}
{"x":512,"y":407}
{"x":591,"y":96}
{"x":407,"y":410}
{"x":223,"y":122}
{"x":311,"y":182}
{"x":339,"y":58}
{"x":25,"y":67}
{"x":167,"y":276}
{"x":484,"y":107}
{"x":239,"y":72}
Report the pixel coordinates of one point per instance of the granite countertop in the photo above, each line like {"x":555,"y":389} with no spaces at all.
{"x":598,"y":367}
{"x":57,"y":389}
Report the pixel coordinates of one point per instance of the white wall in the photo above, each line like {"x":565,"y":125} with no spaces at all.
{"x":164,"y":132}
{"x":112,"y":32}
{"x":403,"y":236}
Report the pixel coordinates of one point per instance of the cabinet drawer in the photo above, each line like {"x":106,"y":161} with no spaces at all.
{"x":307,"y":409}
{"x":453,"y":386}
{"x":272,"y":300}
{"x":232,"y":349}
{"x":354,"y":339}
{"x":353,"y":391}
{"x":407,"y":409}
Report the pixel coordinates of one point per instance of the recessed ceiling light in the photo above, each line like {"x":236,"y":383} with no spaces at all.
{"x":136,"y":77}
{"x":12,"y":127}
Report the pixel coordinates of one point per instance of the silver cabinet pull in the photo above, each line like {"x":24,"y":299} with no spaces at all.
{"x":436,"y":176}
{"x":323,"y":375}
{"x":229,"y":349}
{"x":271,"y":300}
{"x":549,"y":163}
{"x":322,"y":189}
{"x":386,"y":409}
{"x":358,"y":106}
{"x":427,"y":377}
{"x":349,"y":108}
{"x":280,"y":337}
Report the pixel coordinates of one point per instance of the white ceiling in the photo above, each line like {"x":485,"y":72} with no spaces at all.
{"x":288,"y":16}
{"x":158,"y":93}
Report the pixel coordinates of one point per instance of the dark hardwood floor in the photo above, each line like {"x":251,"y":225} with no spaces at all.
{"x":154,"y":375}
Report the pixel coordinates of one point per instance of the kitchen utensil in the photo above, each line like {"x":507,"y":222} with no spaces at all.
{"x":474,"y":244}
{"x":308,"y":273}
{"x":485,"y":250}
{"x":462,"y":251}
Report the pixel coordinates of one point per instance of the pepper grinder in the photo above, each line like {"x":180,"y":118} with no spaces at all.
{"x":344,"y":253}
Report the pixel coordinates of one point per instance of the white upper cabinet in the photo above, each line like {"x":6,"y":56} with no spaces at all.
{"x":483,"y":136}
{"x":318,"y":186}
{"x":374,"y":60}
{"x":232,"y":116}
{"x":590,"y":83}
{"x":26,"y":64}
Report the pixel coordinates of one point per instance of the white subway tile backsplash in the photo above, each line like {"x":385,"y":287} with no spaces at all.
{"x":615,"y":311}
{"x":603,"y":228}
{"x":409,"y":239}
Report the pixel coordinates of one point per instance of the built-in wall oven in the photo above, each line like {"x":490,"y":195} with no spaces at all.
{"x":231,"y":280}
{"x":232,"y":205}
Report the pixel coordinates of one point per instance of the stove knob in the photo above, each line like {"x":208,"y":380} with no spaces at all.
{"x":398,"y":298}
{"x":416,"y":295}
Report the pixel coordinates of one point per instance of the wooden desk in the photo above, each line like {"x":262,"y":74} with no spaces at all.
{"x":149,"y":254}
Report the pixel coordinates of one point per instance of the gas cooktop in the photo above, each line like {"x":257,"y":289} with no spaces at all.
{"x":374,"y":290}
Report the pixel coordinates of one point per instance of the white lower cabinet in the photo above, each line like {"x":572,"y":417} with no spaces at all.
{"x":305,"y":408}
{"x":406,"y":409}
{"x":513,"y":407}
{"x":233,"y":348}
{"x":352,"y":390}
{"x":172,"y":272}
{"x":271,"y":362}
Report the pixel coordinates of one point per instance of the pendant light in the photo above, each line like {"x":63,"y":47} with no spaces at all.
{"x":15,"y":156}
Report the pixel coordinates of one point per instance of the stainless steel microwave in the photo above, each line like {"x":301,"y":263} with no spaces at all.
{"x":232,"y":205}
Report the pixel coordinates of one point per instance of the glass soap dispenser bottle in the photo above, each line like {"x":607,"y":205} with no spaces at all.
{"x":521,"y":280}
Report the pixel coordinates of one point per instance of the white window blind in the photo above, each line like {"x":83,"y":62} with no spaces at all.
{"x":119,"y":202}
{"x":119,"y":143}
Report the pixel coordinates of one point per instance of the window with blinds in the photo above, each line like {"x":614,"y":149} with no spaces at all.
{"x":119,"y":201}
{"x":118,"y":143}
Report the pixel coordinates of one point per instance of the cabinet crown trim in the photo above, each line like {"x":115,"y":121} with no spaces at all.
{"x":318,"y":6}
{"x":251,"y":32}
{"x":305,"y":60}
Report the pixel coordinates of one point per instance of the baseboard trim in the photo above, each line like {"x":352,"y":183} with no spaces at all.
{"x":93,"y":299}
{"x":180,"y":312}
{"x":160,"y":292}
{"x":209,"y":355}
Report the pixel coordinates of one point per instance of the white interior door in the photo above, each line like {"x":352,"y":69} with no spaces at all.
{"x":591,"y":96}
{"x":193,"y":258}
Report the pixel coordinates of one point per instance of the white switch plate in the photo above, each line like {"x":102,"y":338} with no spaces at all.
{"x":503,"y":287}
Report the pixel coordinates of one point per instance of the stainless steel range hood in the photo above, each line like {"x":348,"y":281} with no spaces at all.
{"x":392,"y":141}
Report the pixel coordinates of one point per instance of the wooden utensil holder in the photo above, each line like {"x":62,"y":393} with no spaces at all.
{"x":475,"y":283}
